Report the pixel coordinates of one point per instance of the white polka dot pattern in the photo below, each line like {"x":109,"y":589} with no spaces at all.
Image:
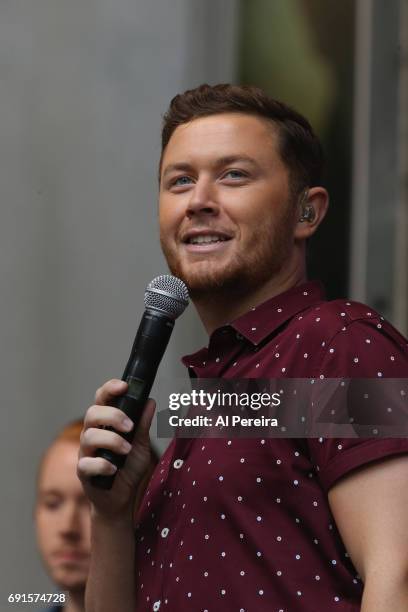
{"x":249,"y":526}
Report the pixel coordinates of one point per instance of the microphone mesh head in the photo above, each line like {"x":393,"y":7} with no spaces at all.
{"x":168,"y":294}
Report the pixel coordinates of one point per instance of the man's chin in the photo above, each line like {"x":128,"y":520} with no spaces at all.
{"x":201,"y":275}
{"x":69,"y":580}
{"x":202,"y":279}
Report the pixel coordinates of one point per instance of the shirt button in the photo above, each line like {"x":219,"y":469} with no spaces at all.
{"x":178,"y":463}
{"x":164,"y":532}
{"x":156,"y":605}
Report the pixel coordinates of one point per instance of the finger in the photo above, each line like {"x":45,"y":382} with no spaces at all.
{"x":92,"y":439}
{"x":110,"y":390}
{"x":93,"y":466}
{"x":107,"y":416}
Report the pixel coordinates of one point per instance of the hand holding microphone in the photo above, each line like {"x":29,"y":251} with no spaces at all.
{"x":121,"y":408}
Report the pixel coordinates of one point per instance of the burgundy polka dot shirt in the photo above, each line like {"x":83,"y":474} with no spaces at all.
{"x":243,"y":525}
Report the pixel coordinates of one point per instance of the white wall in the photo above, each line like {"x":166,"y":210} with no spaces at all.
{"x":83,"y":88}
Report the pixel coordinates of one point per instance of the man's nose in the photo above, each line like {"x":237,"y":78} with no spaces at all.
{"x":70,"y":522}
{"x":203,"y":199}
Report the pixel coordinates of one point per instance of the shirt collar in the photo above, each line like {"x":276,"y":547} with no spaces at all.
{"x":261,"y":321}
{"x":264,"y":319}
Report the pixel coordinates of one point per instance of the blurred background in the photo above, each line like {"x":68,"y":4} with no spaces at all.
{"x":84,"y":85}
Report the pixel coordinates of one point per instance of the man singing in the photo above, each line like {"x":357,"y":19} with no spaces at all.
{"x":242,"y":525}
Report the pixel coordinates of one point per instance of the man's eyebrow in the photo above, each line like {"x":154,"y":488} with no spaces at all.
{"x":219,"y":162}
{"x":182,"y":166}
{"x":231,"y":159}
{"x":53,"y":491}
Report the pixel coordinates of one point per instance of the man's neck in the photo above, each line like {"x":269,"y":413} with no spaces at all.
{"x":75,"y":601}
{"x":220,"y":308}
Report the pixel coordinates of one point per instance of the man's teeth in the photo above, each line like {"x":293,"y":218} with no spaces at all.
{"x":206,"y":239}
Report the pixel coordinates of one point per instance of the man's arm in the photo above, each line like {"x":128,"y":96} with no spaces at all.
{"x":111,"y":580}
{"x":370,"y":507}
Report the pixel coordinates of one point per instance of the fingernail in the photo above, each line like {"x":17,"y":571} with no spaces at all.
{"x":112,"y":468}
{"x":126,"y":446}
{"x":127,"y":424}
{"x":118,"y":384}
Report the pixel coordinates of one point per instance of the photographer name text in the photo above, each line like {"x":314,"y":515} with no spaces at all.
{"x":221,"y":421}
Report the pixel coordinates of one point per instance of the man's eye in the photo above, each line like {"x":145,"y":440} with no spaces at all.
{"x":180,"y":181}
{"x":234,"y":174}
{"x":52,"y":504}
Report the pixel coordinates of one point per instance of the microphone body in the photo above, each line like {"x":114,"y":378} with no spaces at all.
{"x":147,"y":351}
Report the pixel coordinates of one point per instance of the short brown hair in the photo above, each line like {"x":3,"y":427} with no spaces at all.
{"x":69,"y":433}
{"x":299,"y":147}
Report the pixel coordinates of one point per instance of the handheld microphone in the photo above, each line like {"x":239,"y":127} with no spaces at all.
{"x":166,"y":297}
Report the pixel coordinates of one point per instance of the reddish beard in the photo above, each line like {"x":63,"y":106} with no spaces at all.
{"x":263,"y":258}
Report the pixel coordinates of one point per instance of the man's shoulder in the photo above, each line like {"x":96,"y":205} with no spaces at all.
{"x":343,"y":310}
{"x":327,"y":319}
{"x":341,"y":314}
{"x":343,"y":324}
{"x":351,"y":339}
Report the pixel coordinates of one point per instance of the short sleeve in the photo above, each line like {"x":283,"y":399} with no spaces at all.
{"x":364,"y":348}
{"x":333,"y":458}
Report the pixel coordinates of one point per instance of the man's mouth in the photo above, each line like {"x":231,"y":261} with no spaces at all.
{"x":206,"y":239}
{"x":70,"y":555}
{"x":205,"y":242}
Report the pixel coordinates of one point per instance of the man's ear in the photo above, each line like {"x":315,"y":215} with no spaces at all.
{"x":311,"y":210}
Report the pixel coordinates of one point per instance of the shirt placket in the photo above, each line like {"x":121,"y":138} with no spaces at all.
{"x":168,"y":531}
